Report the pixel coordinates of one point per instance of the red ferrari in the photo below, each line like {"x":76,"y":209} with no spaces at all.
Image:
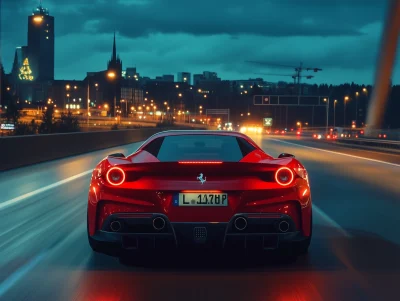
{"x":199,"y":189}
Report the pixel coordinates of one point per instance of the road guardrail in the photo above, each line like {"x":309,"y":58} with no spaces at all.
{"x":388,"y":144}
{"x":19,"y":151}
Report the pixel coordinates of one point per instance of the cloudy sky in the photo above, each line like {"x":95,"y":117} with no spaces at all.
{"x":168,"y":36}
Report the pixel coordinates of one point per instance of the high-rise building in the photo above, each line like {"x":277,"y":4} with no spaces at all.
{"x":184,"y":77}
{"x":41,"y":44}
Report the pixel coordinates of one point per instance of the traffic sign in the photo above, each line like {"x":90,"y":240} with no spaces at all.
{"x":267,"y":122}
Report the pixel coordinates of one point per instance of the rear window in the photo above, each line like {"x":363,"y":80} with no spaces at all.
{"x":199,"y":147}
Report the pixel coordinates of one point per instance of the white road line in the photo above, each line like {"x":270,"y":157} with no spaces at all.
{"x":330,"y":221}
{"x":336,"y":153}
{"x":21,"y":272}
{"x":43,"y":189}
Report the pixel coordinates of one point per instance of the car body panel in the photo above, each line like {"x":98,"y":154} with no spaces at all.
{"x":151,"y":187}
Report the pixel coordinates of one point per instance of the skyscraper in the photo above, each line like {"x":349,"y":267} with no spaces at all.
{"x":41,"y":44}
{"x":184,"y":77}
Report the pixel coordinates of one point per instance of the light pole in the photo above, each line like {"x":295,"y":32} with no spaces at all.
{"x":344,"y":111}
{"x":327,"y":113}
{"x":112,"y":76}
{"x":356,"y":107}
{"x":334,"y":113}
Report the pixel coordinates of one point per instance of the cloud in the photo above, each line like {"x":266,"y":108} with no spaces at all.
{"x":165,"y":37}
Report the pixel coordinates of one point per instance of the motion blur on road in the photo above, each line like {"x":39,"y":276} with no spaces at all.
{"x":354,"y":254}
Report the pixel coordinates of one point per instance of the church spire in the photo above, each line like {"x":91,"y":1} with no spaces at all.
{"x":114,"y":55}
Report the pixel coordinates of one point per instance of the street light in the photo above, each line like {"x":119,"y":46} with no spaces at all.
{"x":112,"y":76}
{"x":334,"y":113}
{"x":327,"y":113}
{"x":356,"y":107}
{"x":346,"y":98}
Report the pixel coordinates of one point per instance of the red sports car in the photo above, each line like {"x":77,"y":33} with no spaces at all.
{"x":199,"y":189}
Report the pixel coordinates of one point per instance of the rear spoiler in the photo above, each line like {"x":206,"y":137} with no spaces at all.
{"x":117,"y":155}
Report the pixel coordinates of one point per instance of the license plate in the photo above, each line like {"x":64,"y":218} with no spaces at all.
{"x":201,"y":199}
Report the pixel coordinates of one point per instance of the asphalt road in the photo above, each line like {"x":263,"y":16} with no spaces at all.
{"x":354,"y":255}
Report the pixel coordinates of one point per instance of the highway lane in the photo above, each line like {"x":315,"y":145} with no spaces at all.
{"x":44,"y":253}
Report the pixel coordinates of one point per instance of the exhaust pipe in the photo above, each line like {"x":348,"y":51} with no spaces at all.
{"x":158,"y":223}
{"x":240,"y":223}
{"x":115,"y":226}
{"x":283,"y":226}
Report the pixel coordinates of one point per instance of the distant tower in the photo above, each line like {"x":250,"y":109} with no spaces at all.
{"x":41,"y":44}
{"x":115,"y":64}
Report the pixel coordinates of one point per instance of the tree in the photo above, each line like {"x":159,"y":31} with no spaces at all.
{"x":25,"y":72}
{"x":12,"y":112}
{"x":47,"y":121}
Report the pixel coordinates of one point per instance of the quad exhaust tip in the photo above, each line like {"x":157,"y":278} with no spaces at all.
{"x":115,"y":226}
{"x":283,"y":226}
{"x":240,"y":223}
{"x":158,"y":223}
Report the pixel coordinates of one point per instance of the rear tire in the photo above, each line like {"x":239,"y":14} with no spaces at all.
{"x":98,"y":247}
{"x":301,"y":248}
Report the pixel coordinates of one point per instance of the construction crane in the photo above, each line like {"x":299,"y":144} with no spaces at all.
{"x":294,"y":76}
{"x":298,"y":71}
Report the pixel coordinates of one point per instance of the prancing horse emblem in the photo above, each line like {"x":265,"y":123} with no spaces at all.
{"x":200,"y":178}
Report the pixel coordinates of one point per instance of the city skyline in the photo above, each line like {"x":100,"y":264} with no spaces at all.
{"x":84,"y":45}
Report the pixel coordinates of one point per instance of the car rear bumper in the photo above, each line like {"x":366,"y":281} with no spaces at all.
{"x":128,"y":231}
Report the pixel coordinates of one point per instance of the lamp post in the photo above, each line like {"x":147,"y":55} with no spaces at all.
{"x":346,"y":98}
{"x":356,"y":108}
{"x":112,"y":76}
{"x":327,"y":113}
{"x":334,"y":113}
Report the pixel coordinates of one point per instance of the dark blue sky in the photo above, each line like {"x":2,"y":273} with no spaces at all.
{"x":168,"y":36}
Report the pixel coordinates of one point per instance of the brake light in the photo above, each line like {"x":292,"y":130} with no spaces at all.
{"x":298,"y":133}
{"x":200,"y":162}
{"x":115,"y":176}
{"x":284,"y":176}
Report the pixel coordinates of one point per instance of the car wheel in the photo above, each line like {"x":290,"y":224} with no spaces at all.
{"x":97,"y":247}
{"x":301,"y":248}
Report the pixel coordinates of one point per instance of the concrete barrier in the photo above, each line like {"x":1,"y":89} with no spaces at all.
{"x":18,"y":151}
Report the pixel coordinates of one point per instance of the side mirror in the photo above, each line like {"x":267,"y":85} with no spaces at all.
{"x":284,"y":155}
{"x":117,"y":155}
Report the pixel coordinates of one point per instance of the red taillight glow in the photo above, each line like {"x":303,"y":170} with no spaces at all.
{"x":200,"y":162}
{"x":284,"y":176}
{"x":298,"y":133}
{"x":115,"y":176}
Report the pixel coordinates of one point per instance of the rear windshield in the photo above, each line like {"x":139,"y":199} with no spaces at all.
{"x":199,"y":147}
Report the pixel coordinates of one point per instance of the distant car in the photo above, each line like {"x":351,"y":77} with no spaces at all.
{"x":210,"y":189}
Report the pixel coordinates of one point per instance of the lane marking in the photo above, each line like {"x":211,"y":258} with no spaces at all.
{"x":330,"y":221}
{"x":43,"y":189}
{"x":336,"y":153}
{"x":20,"y":273}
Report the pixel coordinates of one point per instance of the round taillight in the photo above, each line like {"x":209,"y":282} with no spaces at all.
{"x":284,"y":176}
{"x":115,"y":176}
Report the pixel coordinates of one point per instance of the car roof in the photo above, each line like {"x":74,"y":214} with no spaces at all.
{"x":198,"y":132}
